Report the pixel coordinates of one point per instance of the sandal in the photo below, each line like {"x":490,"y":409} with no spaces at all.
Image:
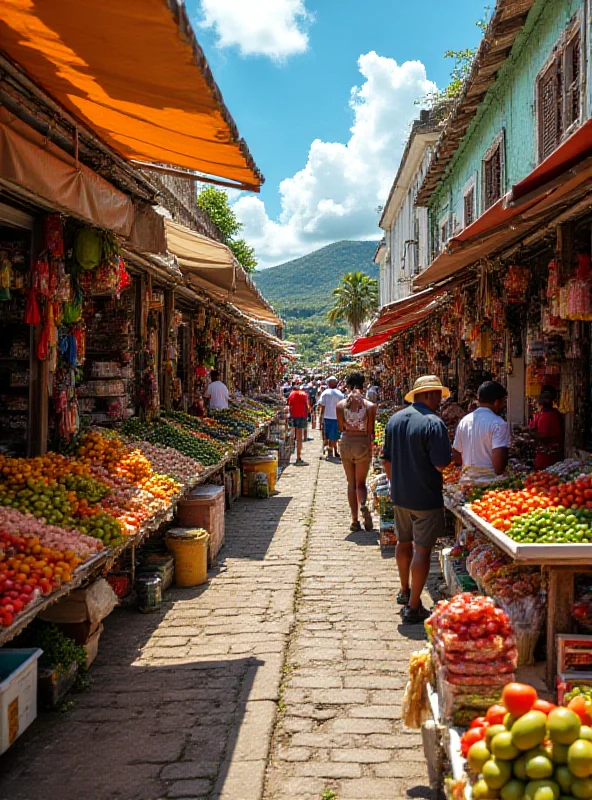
{"x":368,"y":523}
{"x":415,"y":616}
{"x":355,"y":526}
{"x":403,"y":597}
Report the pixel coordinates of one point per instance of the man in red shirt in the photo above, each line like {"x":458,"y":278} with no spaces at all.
{"x":298,"y":404}
{"x":547,"y":429}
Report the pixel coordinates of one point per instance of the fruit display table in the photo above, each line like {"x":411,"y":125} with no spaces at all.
{"x":561,"y":563}
{"x":119,"y":492}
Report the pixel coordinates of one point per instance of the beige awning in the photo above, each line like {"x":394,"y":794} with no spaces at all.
{"x":30,"y":164}
{"x":210,"y":266}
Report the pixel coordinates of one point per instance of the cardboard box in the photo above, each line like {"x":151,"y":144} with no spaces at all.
{"x":92,"y":646}
{"x":92,"y":604}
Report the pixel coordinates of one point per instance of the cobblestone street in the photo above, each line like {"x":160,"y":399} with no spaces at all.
{"x":280,"y":679}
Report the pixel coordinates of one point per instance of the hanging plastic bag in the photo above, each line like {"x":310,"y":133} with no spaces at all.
{"x":88,"y":248}
{"x":72,"y":311}
{"x":5,"y":277}
{"x":68,"y":350}
{"x":32,"y":313}
{"x":54,"y":240}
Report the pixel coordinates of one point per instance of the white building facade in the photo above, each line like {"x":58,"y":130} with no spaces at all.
{"x":405,"y":250}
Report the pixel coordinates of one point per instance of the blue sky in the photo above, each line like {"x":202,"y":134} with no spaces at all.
{"x":286,"y":69}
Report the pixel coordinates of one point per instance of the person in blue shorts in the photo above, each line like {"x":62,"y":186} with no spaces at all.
{"x":328,"y":415}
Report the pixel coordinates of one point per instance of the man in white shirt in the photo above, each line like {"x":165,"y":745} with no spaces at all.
{"x":482,"y":441}
{"x":328,"y":415}
{"x":217,"y":392}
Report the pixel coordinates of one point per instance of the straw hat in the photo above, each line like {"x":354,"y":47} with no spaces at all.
{"x":427,"y":383}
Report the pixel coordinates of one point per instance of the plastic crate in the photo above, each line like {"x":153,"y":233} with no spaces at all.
{"x":18,"y":693}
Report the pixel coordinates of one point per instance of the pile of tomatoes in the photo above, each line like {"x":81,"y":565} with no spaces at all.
{"x":29,"y":570}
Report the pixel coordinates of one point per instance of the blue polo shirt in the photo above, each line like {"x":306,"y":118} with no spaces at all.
{"x":416,"y":442}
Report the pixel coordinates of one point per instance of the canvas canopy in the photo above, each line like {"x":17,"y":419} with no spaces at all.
{"x":210,"y":266}
{"x":133,"y":72}
{"x":32,"y":165}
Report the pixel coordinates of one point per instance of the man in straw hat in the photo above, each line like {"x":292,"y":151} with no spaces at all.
{"x":416,"y":450}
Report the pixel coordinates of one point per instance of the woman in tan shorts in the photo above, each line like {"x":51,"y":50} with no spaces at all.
{"x":356,"y":417}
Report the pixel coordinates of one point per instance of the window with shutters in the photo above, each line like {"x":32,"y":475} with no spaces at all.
{"x":469,"y":202}
{"x":493,"y":172}
{"x":559,"y":92}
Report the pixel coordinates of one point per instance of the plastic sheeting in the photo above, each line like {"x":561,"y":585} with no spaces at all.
{"x":133,"y":72}
{"x":28,"y":161}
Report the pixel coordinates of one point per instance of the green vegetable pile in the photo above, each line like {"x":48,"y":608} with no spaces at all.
{"x":557,"y":526}
{"x":102,"y":526}
{"x":578,"y":691}
{"x":85,"y":488}
{"x":172,"y":434}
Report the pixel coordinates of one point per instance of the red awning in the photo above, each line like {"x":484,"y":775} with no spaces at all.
{"x":553,"y":182}
{"x":413,"y":314}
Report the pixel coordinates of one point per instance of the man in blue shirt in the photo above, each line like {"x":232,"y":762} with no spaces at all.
{"x":416,"y":450}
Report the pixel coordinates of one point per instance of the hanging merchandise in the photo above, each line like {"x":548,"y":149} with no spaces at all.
{"x":32,"y":313}
{"x":516,"y":284}
{"x":5,"y":276}
{"x":41,"y":276}
{"x":54,"y":239}
{"x":88,"y":248}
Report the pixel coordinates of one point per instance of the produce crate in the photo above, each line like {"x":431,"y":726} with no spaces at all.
{"x":574,"y":651}
{"x":18,"y":693}
{"x":204,"y":508}
{"x":53,"y":685}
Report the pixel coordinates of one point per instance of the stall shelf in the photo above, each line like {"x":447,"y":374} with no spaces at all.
{"x":561,"y":563}
{"x":103,"y":562}
{"x":83,"y":573}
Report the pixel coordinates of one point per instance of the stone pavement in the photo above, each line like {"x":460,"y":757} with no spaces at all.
{"x":297,"y":629}
{"x":339,"y":732}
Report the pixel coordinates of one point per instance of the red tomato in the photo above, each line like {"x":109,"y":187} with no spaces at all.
{"x":495,"y":714}
{"x":473,"y":735}
{"x":479,"y":722}
{"x":519,"y":698}
{"x":544,"y":706}
{"x":578,"y":704}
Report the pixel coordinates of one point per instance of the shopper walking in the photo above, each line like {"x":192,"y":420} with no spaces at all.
{"x":328,"y":415}
{"x":356,"y":418}
{"x":482,"y":440}
{"x":298,"y":405}
{"x":312,"y":404}
{"x":416,"y":450}
{"x":217,"y":392}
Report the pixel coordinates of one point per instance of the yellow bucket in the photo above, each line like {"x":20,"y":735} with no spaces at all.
{"x":189,"y":547}
{"x":254,"y":464}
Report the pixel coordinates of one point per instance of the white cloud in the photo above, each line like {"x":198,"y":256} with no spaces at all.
{"x":273,"y":28}
{"x":336,"y":194}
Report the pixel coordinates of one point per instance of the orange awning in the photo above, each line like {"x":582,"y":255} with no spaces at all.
{"x":133,"y":72}
{"x":549,"y":186}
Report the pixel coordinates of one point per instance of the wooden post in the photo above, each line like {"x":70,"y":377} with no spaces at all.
{"x":560,"y":599}
{"x":169,"y":305}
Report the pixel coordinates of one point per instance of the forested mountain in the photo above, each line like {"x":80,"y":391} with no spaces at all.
{"x":301,"y":291}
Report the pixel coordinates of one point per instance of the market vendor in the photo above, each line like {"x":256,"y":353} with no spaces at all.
{"x":217,"y":392}
{"x":547,"y":428}
{"x":482,"y":440}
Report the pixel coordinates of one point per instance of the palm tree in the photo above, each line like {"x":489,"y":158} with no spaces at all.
{"x":356,"y":298}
